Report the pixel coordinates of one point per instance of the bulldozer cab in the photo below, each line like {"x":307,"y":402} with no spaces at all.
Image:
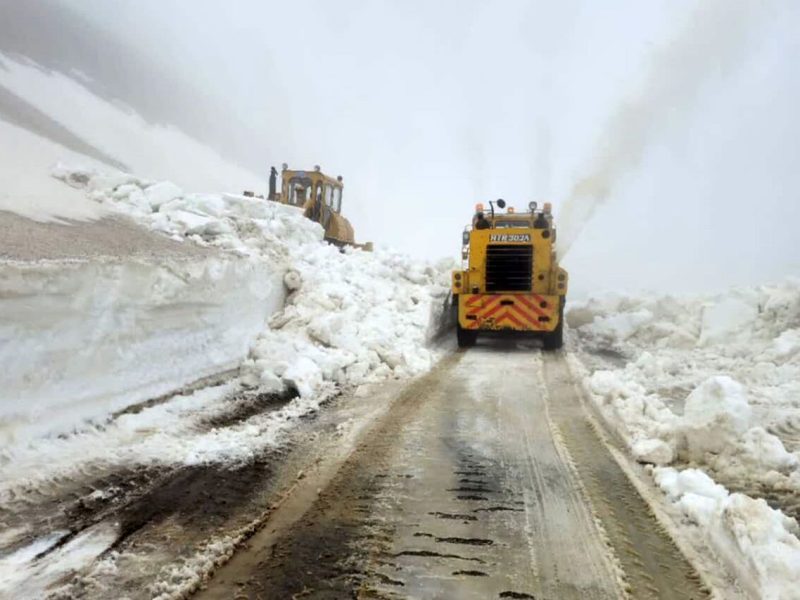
{"x":299,"y":191}
{"x":302,"y":188}
{"x":320,"y":198}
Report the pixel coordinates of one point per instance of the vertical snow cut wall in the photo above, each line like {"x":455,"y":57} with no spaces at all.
{"x":81,"y":339}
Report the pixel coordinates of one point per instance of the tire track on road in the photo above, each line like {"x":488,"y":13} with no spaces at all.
{"x":653,"y":565}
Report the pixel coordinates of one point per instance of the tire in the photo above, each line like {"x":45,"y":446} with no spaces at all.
{"x":466,"y":338}
{"x":555,"y":339}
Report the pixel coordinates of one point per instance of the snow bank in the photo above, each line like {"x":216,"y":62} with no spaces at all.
{"x":254,"y":287}
{"x":663,"y":321}
{"x":81,"y":339}
{"x":350,"y":317}
{"x":710,"y":379}
{"x":352,"y":320}
{"x":760,"y":542}
{"x":710,"y":385}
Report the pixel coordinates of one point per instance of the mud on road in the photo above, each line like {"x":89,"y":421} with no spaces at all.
{"x":483,"y":480}
{"x":132,"y":524}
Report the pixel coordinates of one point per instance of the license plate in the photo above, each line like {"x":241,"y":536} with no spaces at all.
{"x":510,"y":237}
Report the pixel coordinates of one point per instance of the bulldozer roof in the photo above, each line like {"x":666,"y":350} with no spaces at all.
{"x":314,"y":175}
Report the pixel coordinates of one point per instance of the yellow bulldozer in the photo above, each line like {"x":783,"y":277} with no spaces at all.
{"x":320,"y":197}
{"x":510,"y":280}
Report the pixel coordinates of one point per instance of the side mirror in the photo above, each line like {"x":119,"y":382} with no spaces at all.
{"x":501,"y":203}
{"x":465,"y":238}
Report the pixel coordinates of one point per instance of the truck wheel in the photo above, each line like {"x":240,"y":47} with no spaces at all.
{"x":466,"y":338}
{"x":555,"y":339}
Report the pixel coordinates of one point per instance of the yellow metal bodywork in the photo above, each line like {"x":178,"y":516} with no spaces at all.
{"x":320,"y":198}
{"x":537,"y":309}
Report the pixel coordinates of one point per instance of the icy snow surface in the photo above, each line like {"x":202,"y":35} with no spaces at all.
{"x":91,"y":338}
{"x":710,"y":386}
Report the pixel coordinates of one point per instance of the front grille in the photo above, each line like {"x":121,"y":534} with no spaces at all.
{"x":509,"y":268}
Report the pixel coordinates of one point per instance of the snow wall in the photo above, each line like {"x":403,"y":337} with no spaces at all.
{"x":82,"y":339}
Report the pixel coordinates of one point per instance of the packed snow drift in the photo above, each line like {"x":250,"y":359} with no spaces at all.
{"x":350,"y":317}
{"x":707,"y":390}
{"x":257,"y":289}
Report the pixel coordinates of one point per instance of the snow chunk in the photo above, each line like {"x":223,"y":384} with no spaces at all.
{"x":715,"y":413}
{"x":760,"y":541}
{"x":621,"y":326}
{"x":689,"y":481}
{"x":161,"y":193}
{"x":727,"y":319}
{"x":787,"y":344}
{"x":767,"y":451}
{"x":653,"y":451}
{"x":292,"y":280}
{"x":611,"y":385}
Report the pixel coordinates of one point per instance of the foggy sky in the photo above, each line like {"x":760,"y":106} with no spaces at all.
{"x":426,"y":108}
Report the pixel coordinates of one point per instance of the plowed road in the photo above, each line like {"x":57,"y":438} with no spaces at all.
{"x":484,"y":479}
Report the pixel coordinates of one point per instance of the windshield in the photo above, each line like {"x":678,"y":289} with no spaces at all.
{"x":506,"y":224}
{"x":298,"y":190}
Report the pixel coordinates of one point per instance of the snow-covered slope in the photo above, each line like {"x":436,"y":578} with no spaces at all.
{"x":25,"y":185}
{"x":67,"y":113}
{"x":708,"y":390}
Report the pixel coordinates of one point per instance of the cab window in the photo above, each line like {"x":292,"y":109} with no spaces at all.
{"x":337,"y":199}
{"x":299,"y":194}
{"x":298,"y":191}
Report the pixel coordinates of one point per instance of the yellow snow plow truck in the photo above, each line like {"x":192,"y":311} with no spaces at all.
{"x":320,"y":197}
{"x":510,"y":280}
